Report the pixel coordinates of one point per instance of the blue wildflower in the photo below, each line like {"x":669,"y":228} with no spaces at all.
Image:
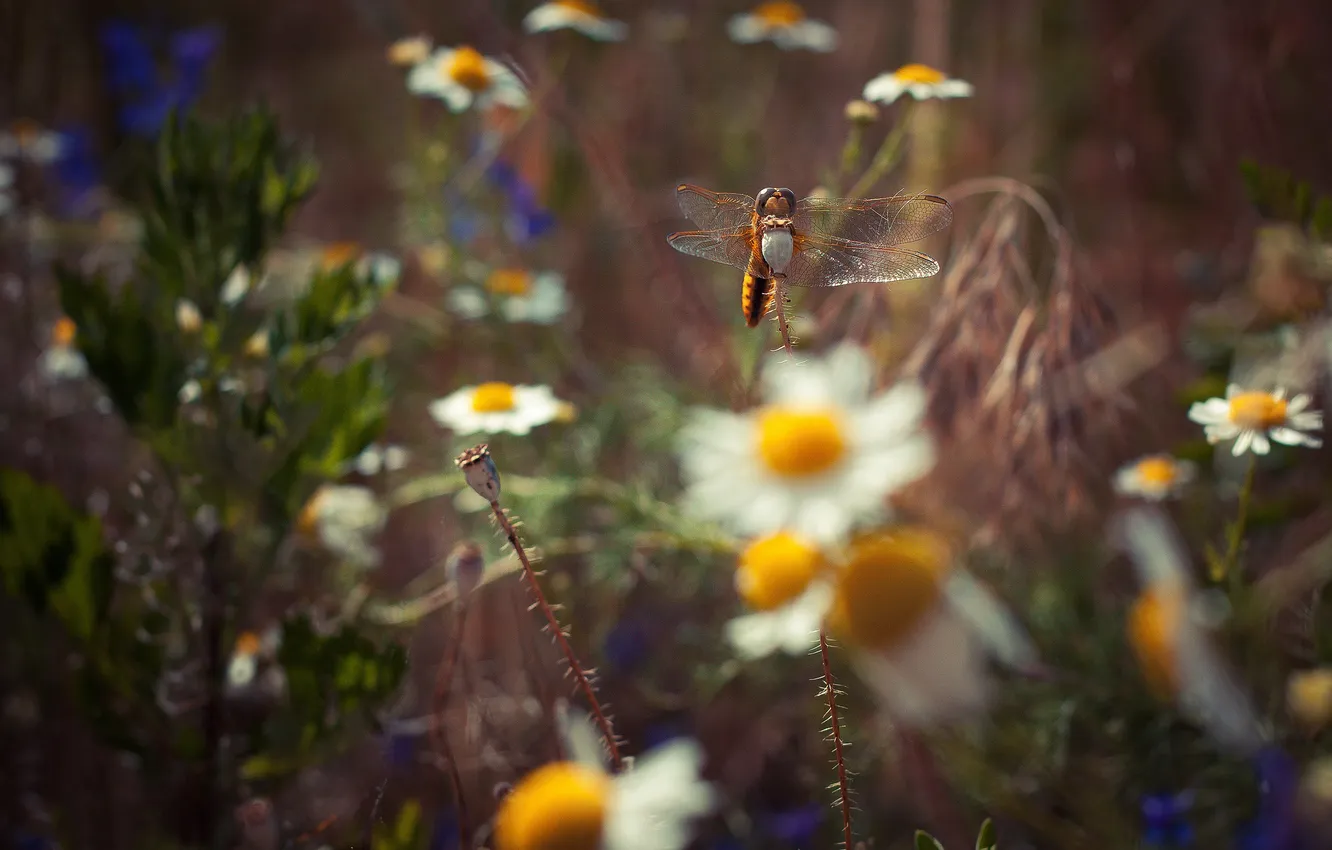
{"x":444,"y":830}
{"x":150,"y":93}
{"x":525,"y":219}
{"x":1273,"y":828}
{"x":626,"y":645}
{"x":1165,"y":820}
{"x":76,"y":172}
{"x":795,"y":826}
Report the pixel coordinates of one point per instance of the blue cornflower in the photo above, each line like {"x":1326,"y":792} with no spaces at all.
{"x":525,"y":218}
{"x":149,"y":92}
{"x":795,"y":826}
{"x":1273,"y":828}
{"x":1165,"y":820}
{"x":627,"y":645}
{"x":76,"y":172}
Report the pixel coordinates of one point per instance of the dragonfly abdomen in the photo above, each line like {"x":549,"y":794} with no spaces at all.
{"x":755,"y":297}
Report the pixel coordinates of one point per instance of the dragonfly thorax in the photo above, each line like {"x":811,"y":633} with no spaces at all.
{"x":777,"y":246}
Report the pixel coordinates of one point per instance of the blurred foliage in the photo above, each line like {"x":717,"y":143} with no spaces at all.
{"x":1278,"y":195}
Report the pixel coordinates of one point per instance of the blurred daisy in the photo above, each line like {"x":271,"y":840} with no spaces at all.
{"x":578,"y":804}
{"x":380,"y":458}
{"x":1309,"y":697}
{"x":461,"y":77}
{"x":345,"y":519}
{"x":409,"y":51}
{"x":1153,"y":477}
{"x":1253,"y":418}
{"x":188,"y":317}
{"x":62,"y":358}
{"x":1171,"y":645}
{"x":251,"y":648}
{"x":496,"y":407}
{"x":819,"y":457}
{"x":785,"y":25}
{"x":920,"y":81}
{"x":27,"y":140}
{"x":921,"y":629}
{"x":517,"y":294}
{"x":579,"y":15}
{"x":236,"y":286}
{"x":783,"y":578}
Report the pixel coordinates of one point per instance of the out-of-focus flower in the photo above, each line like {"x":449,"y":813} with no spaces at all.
{"x":1309,"y":697}
{"x":578,"y":804}
{"x":525,"y":218}
{"x":478,"y":469}
{"x":1253,"y":418}
{"x":27,"y":140}
{"x":377,"y":458}
{"x":62,"y":359}
{"x":236,"y":286}
{"x":1173,"y":650}
{"x":465,"y":566}
{"x":77,"y":173}
{"x":920,"y":81}
{"x":7,"y":199}
{"x":783,"y":578}
{"x":256,"y":346}
{"x":861,"y":112}
{"x":496,"y":407}
{"x":148,"y":95}
{"x":251,"y":649}
{"x":517,"y":294}
{"x":1154,"y":477}
{"x":461,"y":77}
{"x":1165,"y":820}
{"x":345,"y":519}
{"x":579,"y":15}
{"x":1275,"y":826}
{"x":188,"y":317}
{"x":434,"y":258}
{"x":784,"y":24}
{"x":922,"y":629}
{"x":409,"y":51}
{"x":820,"y":456}
{"x":258,"y":825}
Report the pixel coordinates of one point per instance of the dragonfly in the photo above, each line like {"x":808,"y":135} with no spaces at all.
{"x":775,"y":239}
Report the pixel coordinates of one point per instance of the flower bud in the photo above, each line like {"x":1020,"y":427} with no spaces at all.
{"x":479,"y":470}
{"x":861,"y":112}
{"x":464,"y":567}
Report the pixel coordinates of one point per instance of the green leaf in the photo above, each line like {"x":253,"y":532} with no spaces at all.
{"x":986,"y":839}
{"x":925,"y":841}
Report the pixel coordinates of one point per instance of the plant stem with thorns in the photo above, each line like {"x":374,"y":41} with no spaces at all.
{"x":830,"y":691}
{"x":560,"y":638}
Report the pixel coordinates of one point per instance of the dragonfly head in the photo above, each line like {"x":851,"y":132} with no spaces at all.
{"x":775,"y":202}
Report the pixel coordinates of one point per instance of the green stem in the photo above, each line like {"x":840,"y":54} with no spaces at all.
{"x":1230,"y":566}
{"x":885,"y":158}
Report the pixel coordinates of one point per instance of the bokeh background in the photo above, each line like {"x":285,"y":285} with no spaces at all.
{"x":1127,"y":125}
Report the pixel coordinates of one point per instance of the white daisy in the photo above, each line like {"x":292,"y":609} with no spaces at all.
{"x":577,"y":803}
{"x":1172,"y":647}
{"x":579,"y":15}
{"x":1253,"y":418}
{"x":188,"y":317}
{"x":380,"y":458}
{"x":461,"y":77}
{"x":819,"y":457}
{"x":784,"y":579}
{"x":345,"y":519}
{"x":517,"y":294}
{"x":62,"y":359}
{"x":27,"y":140}
{"x":409,"y":51}
{"x":921,"y":629}
{"x":1153,"y":477}
{"x":920,"y":81}
{"x":496,"y":407}
{"x":785,"y":25}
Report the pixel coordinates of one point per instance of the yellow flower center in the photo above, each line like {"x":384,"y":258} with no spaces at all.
{"x":509,"y":282}
{"x":780,"y":13}
{"x":1309,"y":696}
{"x":1153,"y":622}
{"x":257,"y":345}
{"x":63,"y":331}
{"x":890,"y":582}
{"x":776,"y":569}
{"x":582,"y":7}
{"x":1258,"y":411}
{"x":335,"y":255}
{"x":247,"y":643}
{"x":916,"y":73}
{"x":561,"y":806}
{"x":494,"y":397}
{"x":409,"y":51}
{"x":799,"y":443}
{"x":467,"y":68}
{"x":308,"y":520}
{"x":1158,"y":471}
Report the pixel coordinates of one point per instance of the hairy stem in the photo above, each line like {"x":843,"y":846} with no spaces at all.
{"x":830,"y":691}
{"x":1230,"y":567}
{"x":561,"y":639}
{"x":439,"y":739}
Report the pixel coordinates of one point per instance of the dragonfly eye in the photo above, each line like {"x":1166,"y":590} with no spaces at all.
{"x":790,"y":199}
{"x":762,"y":200}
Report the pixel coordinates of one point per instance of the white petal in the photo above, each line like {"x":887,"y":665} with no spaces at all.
{"x":1209,"y":412}
{"x":653,"y":805}
{"x":582,"y":738}
{"x":954,"y":88}
{"x":1221,"y":431}
{"x":1291,"y":437}
{"x":991,"y":620}
{"x":1211,"y":695}
{"x":468,"y":302}
{"x":1242,"y":442}
{"x":457,"y":98}
{"x":1233,"y":390}
{"x":448,"y":410}
{"x":1309,"y":420}
{"x":746,"y":29}
{"x":937,"y":675}
{"x":1298,"y":403}
{"x":1261,"y":446}
{"x":807,"y":35}
{"x":884,"y":88}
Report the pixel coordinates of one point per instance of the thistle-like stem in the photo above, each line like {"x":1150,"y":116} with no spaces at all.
{"x":439,"y":740}
{"x":884,"y":159}
{"x":1230,"y":566}
{"x":830,"y":691}
{"x":577,"y":669}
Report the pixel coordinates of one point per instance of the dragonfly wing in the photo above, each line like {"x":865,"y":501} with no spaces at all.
{"x":837,"y":262}
{"x":874,"y":221}
{"x":710,"y":210}
{"x":732,"y":247}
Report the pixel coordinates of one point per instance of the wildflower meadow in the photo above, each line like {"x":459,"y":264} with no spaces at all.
{"x":665,"y":426}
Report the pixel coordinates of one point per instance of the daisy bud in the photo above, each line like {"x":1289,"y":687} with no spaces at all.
{"x":464,"y":567}
{"x":479,"y":470}
{"x":861,"y":112}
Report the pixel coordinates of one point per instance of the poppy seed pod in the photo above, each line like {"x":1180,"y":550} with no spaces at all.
{"x":479,"y":470}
